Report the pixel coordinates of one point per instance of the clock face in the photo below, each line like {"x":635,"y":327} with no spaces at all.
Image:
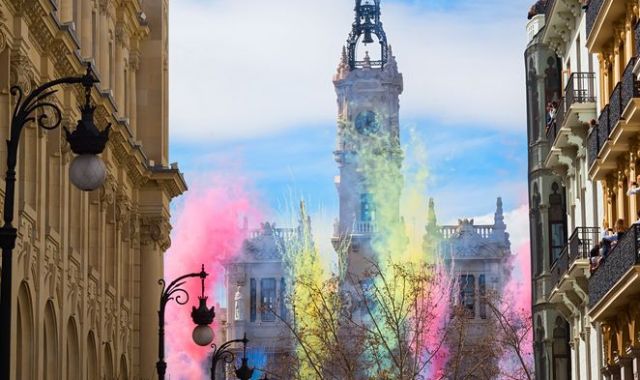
{"x":367,"y":122}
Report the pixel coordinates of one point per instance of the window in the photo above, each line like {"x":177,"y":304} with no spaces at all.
{"x":252,"y":296}
{"x":267,"y":299}
{"x":482,"y":287}
{"x":557,"y":223}
{"x":467,"y":294}
{"x":367,"y":212}
{"x":283,"y":296}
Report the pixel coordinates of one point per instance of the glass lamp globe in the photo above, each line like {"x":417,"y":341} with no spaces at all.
{"x":202,"y":335}
{"x":87,"y":172}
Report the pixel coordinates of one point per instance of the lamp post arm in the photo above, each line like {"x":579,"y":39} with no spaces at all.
{"x":224,"y":353}
{"x":173,"y":291}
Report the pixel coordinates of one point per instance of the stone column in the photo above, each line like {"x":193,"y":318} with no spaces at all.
{"x":154,"y":241}
{"x":119,"y":90}
{"x":133,"y":69}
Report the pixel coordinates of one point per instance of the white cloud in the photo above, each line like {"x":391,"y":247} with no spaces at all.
{"x":247,"y":68}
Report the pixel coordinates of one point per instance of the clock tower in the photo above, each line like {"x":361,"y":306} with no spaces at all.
{"x":368,"y":86}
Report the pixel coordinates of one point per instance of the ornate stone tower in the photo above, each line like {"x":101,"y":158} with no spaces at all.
{"x":368,"y":152}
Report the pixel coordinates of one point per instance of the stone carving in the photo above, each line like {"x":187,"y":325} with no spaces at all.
{"x":21,"y":72}
{"x":239,"y":304}
{"x":156,"y":230}
{"x":3,"y":40}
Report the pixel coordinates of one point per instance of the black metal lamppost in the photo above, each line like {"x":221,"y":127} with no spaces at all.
{"x":202,"y":316}
{"x":87,"y":172}
{"x":226,"y":355}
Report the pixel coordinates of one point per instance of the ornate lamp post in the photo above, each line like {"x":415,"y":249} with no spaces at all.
{"x":87,"y":171}
{"x":202,"y":334}
{"x":225,"y":354}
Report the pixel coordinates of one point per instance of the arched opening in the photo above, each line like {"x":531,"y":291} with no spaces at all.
{"x":124,"y":369}
{"x":24,"y":338}
{"x":92,"y":357}
{"x":50,"y":343}
{"x":73,"y":351}
{"x":561,"y":350}
{"x":108,"y":362}
{"x":557,"y":222}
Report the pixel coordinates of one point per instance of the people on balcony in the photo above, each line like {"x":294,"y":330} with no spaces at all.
{"x":634,"y":188}
{"x":552,"y":108}
{"x":594,"y":258}
{"x":609,"y":242}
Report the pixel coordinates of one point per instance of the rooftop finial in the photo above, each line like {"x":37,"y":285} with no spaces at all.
{"x":499,"y":215}
{"x":431,"y":213}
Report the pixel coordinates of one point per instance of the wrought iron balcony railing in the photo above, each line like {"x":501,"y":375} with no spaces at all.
{"x":593,"y":9}
{"x":630,"y":87}
{"x":622,"y":257}
{"x":615,"y":106}
{"x":578,"y":247}
{"x":580,"y":88}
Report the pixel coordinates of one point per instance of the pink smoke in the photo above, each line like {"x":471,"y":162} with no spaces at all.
{"x":516,"y":306}
{"x":436,"y":305}
{"x":208,"y":230}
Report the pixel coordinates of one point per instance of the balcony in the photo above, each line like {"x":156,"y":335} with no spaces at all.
{"x":601,"y":17}
{"x":618,"y":124}
{"x":574,"y":114}
{"x":570,"y":271}
{"x":617,"y":281}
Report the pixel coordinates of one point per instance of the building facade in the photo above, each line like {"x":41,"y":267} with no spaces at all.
{"x":567,"y":130}
{"x":478,"y":258}
{"x":256,"y":290}
{"x":547,"y":201}
{"x":613,"y":36}
{"x":86,"y":265}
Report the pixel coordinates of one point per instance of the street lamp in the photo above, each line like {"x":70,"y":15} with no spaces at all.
{"x":225,"y":354}
{"x":86,"y":141}
{"x":202,"y":334}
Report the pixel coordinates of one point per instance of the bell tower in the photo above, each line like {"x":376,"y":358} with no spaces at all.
{"x":368,"y":154}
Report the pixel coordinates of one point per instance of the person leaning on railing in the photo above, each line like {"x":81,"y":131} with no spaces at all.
{"x":594,"y":258}
{"x":608,"y":242}
{"x":634,"y":188}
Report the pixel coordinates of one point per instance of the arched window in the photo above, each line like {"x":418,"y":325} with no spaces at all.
{"x":50,"y":343}
{"x":25,"y":338}
{"x":108,"y":362}
{"x":557,"y":222}
{"x":73,"y":351}
{"x":92,"y":357}
{"x":124,"y":371}
{"x":536,"y":233}
{"x":561,"y":350}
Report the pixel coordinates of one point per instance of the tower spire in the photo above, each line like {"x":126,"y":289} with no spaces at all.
{"x":367,"y":23}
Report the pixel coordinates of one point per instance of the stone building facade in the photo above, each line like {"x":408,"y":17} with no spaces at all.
{"x":86,"y":265}
{"x":547,"y":200}
{"x":565,"y":33}
{"x":256,"y":287}
{"x":478,"y":259}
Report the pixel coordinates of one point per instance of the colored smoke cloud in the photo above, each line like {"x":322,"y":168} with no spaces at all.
{"x":208,"y":230}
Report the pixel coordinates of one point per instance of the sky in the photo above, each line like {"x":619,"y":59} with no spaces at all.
{"x":252,"y":95}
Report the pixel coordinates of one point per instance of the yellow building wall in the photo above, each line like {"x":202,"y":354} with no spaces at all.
{"x":86,"y":265}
